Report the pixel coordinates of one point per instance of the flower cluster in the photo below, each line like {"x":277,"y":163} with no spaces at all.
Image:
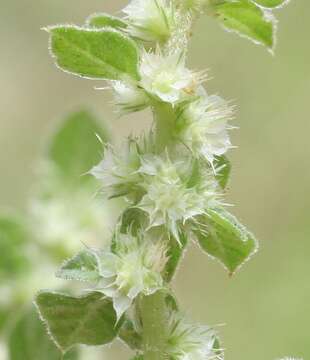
{"x":132,"y":270}
{"x":158,"y":186}
{"x":191,"y":342}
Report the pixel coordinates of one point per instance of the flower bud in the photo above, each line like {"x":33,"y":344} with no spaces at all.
{"x":203,"y":127}
{"x":150,"y":20}
{"x":129,"y":98}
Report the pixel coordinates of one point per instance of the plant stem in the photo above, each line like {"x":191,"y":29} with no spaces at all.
{"x":155,"y":317}
{"x":164,"y":124}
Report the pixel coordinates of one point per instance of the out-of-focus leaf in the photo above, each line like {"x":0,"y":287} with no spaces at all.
{"x":28,"y":340}
{"x":75,"y":149}
{"x":88,"y":320}
{"x":101,"y":20}
{"x":247,"y":19}
{"x":222,"y":236}
{"x":93,"y":53}
{"x":82,"y":267}
{"x":13,"y":237}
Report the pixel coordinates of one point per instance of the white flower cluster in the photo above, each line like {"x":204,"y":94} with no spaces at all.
{"x":203,"y":127}
{"x":192,"y":342}
{"x":201,"y":121}
{"x":157,"y":186}
{"x":168,"y":199}
{"x":132,"y":270}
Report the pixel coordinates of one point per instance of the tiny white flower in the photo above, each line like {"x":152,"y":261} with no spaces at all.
{"x":166,"y":77}
{"x":191,"y":342}
{"x":128,"y":97}
{"x":150,"y":20}
{"x":135,"y":268}
{"x":203,"y":127}
{"x":168,"y":200}
{"x":118,"y":170}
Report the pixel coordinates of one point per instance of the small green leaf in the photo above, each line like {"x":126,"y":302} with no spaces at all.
{"x":82,"y":267}
{"x":102,"y":20}
{"x":74,"y":148}
{"x":28,"y":340}
{"x":247,"y":19}
{"x":222,"y":236}
{"x":13,"y":238}
{"x":271,"y":3}
{"x":138,"y":357}
{"x":96,"y":54}
{"x":88,"y":320}
{"x":223,"y":169}
{"x":174,"y":253}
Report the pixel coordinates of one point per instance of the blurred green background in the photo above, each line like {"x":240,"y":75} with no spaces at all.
{"x":265,"y":308}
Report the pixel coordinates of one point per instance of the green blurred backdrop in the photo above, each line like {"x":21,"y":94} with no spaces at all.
{"x":265,"y":308}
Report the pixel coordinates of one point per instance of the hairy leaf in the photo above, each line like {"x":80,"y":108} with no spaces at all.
{"x":74,"y":148}
{"x":271,"y":3}
{"x":76,"y":320}
{"x":247,"y":19}
{"x":82,"y":267}
{"x":222,"y":236}
{"x":223,"y":166}
{"x":13,"y":237}
{"x":28,"y":340}
{"x":93,"y":53}
{"x":101,"y":20}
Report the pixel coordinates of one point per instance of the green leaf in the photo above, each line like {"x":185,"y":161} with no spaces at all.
{"x":74,"y":148}
{"x":96,"y":54}
{"x":223,"y":167}
{"x":13,"y":238}
{"x":102,"y":20}
{"x":174,"y":253}
{"x":82,"y":267}
{"x":88,"y":320}
{"x":222,"y":236}
{"x":247,"y":19}
{"x":271,"y":3}
{"x":28,"y":340}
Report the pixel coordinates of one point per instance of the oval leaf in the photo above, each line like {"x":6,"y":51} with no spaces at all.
{"x":247,"y":19}
{"x":96,"y":54}
{"x":222,"y":236}
{"x":76,"y":320}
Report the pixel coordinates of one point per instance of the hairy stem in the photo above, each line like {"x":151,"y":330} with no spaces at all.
{"x":155,"y":317}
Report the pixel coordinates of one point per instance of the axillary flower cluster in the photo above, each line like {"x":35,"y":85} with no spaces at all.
{"x":172,"y":178}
